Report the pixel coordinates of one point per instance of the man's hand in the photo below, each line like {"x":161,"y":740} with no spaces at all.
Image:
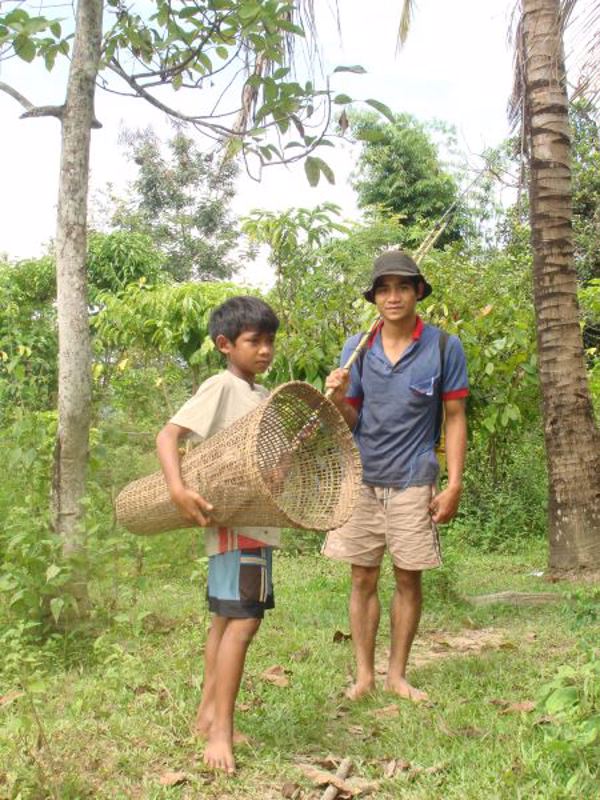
{"x":193,"y":506}
{"x":338,"y":382}
{"x":444,"y":505}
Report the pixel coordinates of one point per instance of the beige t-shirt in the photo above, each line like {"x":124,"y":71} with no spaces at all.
{"x":219,"y":401}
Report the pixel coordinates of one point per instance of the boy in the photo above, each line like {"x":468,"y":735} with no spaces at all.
{"x":391,"y":400}
{"x":240,"y":586}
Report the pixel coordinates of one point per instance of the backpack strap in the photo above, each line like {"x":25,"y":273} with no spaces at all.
{"x":439,"y":417}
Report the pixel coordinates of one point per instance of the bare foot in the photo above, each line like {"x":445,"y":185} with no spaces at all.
{"x":218,"y":754}
{"x":201,"y":729}
{"x":360,"y":689}
{"x":402,"y":688}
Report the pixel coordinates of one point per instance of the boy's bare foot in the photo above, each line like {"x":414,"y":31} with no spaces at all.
{"x":218,"y":754}
{"x":402,"y":688}
{"x":360,"y":689}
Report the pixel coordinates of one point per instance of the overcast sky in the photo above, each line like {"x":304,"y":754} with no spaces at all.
{"x":456,"y":67}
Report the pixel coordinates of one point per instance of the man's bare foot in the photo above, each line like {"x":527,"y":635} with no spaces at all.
{"x":360,"y":689}
{"x":218,"y":754}
{"x":402,"y":688}
{"x":202,"y":730}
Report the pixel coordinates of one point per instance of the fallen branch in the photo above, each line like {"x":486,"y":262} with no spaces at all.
{"x":342,"y":772}
{"x":516,"y":598}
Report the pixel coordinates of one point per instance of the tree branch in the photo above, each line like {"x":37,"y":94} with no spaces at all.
{"x":32,"y":111}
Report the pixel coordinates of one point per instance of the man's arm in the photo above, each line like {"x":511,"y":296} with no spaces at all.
{"x":192,"y":505}
{"x":445,"y":505}
{"x":338,"y":381}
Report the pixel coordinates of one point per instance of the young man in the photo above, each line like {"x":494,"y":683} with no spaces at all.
{"x":390,"y":399}
{"x":240,"y":586}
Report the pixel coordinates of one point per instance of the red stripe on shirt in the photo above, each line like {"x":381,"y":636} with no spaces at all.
{"x":455,"y":395}
{"x":355,"y":402}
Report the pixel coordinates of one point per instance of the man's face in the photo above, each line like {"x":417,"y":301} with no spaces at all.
{"x":396,"y":297}
{"x":251,"y":353}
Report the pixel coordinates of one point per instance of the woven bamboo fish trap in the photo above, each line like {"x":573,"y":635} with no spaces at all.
{"x":291,"y":462}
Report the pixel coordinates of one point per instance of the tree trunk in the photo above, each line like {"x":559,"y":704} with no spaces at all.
{"x":74,"y":391}
{"x":571,"y":436}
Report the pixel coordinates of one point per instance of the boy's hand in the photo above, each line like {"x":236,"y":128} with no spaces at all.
{"x":338,"y":382}
{"x":193,"y":506}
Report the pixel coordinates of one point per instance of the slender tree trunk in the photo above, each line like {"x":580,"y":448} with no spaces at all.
{"x":572,"y":438}
{"x":74,"y":392}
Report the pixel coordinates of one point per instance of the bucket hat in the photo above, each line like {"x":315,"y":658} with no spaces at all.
{"x":395,"y":262}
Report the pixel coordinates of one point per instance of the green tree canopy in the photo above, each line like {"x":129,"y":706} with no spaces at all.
{"x":400,"y":172}
{"x":181,"y":202}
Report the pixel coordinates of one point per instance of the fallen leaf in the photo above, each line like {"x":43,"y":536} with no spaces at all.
{"x":525,"y":705}
{"x":387,"y":711}
{"x":496,"y":701}
{"x":172,"y":778}
{"x":329,"y":762}
{"x":290,"y":790}
{"x":395,"y":766}
{"x":8,"y":698}
{"x":358,"y":730}
{"x":340,"y":636}
{"x":486,"y":310}
{"x":276,"y":675}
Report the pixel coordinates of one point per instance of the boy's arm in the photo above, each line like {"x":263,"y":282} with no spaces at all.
{"x":192,"y":505}
{"x":445,"y":505}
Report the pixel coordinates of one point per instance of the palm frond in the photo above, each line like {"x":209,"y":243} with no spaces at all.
{"x":406,"y":16}
{"x":583,"y":50}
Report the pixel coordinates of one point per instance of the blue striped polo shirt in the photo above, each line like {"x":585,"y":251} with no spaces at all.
{"x":398,"y":405}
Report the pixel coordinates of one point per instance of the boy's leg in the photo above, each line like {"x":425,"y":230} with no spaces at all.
{"x":231,"y":656}
{"x":206,"y":709}
{"x":405,"y":614}
{"x":364,"y":622}
{"x":361,"y":543}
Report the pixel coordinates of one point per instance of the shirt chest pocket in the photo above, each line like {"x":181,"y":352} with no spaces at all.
{"x":424,"y":388}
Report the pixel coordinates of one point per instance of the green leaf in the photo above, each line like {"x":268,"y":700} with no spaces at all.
{"x":342,"y":99}
{"x":313,"y":172}
{"x":222,"y":52}
{"x":382,"y":108}
{"x":356,"y":68}
{"x":561,"y":699}
{"x":326,"y":170}
{"x":52,"y":572}
{"x":24,"y":48}
{"x":370,"y":135}
{"x":55,"y":28}
{"x":56,"y":606}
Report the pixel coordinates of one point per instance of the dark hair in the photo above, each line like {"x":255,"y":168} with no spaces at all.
{"x":239,"y":314}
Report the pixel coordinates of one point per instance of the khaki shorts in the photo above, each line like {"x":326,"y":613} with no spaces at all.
{"x":398,"y":519}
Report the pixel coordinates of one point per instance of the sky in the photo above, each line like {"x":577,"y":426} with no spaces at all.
{"x":456,"y":66}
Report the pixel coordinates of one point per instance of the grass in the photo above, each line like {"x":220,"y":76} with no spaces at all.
{"x":106,"y":712}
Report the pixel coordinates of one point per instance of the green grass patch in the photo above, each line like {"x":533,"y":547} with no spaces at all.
{"x":105,"y":712}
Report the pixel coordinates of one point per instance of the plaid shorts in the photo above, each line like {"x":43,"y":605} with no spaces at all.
{"x":240,"y":583}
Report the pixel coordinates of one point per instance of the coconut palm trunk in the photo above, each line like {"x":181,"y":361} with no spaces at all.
{"x":571,"y":435}
{"x":74,"y":390}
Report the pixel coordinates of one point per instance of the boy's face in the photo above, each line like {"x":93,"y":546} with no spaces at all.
{"x":396,"y":297}
{"x":250,"y":354}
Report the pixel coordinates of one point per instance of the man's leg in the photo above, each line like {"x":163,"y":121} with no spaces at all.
{"x":206,"y":709}
{"x":405,"y":614}
{"x":229,"y":668}
{"x":364,"y":621}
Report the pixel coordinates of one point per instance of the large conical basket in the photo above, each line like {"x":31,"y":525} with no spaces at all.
{"x":291,"y":462}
